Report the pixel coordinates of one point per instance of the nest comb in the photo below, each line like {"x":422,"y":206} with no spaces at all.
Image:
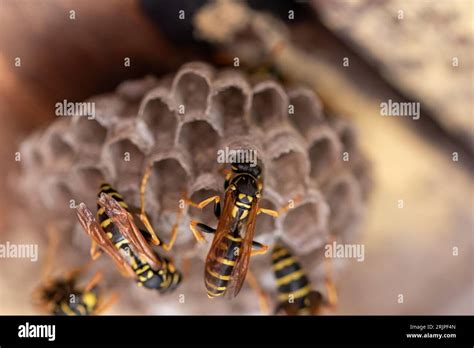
{"x":177,"y":124}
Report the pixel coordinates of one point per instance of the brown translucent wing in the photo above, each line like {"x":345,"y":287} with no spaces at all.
{"x":93,"y":229}
{"x":124,"y":222}
{"x":223,"y":227}
{"x":240,"y":270}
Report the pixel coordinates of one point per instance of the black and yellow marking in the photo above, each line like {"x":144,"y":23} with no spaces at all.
{"x":243,"y":205}
{"x":142,"y":270}
{"x":243,"y":187}
{"x":293,"y":285}
{"x":232,"y":238}
{"x":85,"y":303}
{"x":226,"y":261}
{"x":162,"y":280}
{"x":218,"y":273}
{"x":163,"y":277}
{"x":107,"y":188}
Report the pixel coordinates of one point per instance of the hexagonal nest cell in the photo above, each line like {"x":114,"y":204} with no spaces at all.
{"x":141,"y":124}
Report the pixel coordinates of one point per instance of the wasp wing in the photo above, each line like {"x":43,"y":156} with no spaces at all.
{"x":93,"y":229}
{"x":241,"y":267}
{"x":223,"y":227}
{"x":124,"y":222}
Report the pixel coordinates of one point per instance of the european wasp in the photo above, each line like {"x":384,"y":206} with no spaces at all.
{"x":116,"y":233}
{"x":295,"y":293}
{"x":62,"y":296}
{"x":227,"y":262}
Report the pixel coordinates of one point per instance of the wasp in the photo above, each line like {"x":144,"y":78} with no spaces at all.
{"x":295,"y":294}
{"x":62,"y":296}
{"x":116,"y":233}
{"x":227,"y":261}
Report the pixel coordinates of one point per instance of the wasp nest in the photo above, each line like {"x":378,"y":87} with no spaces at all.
{"x":177,"y":124}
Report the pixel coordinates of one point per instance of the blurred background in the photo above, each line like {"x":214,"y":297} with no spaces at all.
{"x":354,"y":54}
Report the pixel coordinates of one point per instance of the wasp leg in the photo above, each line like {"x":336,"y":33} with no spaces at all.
{"x":262,"y":297}
{"x":215,"y":199}
{"x":197,"y":228}
{"x":95,"y":251}
{"x":191,"y":203}
{"x":205,"y":202}
{"x":196,"y":233}
{"x":96,"y":278}
{"x":205,"y":228}
{"x":217,"y":205}
{"x":155,"y":240}
{"x":143,"y":217}
{"x":103,"y":306}
{"x":270,"y":212}
{"x":174,"y":232}
{"x":284,"y":209}
{"x":262,"y":248}
{"x":217,"y":209}
{"x":290,"y":204}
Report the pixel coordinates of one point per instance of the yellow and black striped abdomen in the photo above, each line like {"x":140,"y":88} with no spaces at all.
{"x":218,"y":271}
{"x":293,"y":285}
